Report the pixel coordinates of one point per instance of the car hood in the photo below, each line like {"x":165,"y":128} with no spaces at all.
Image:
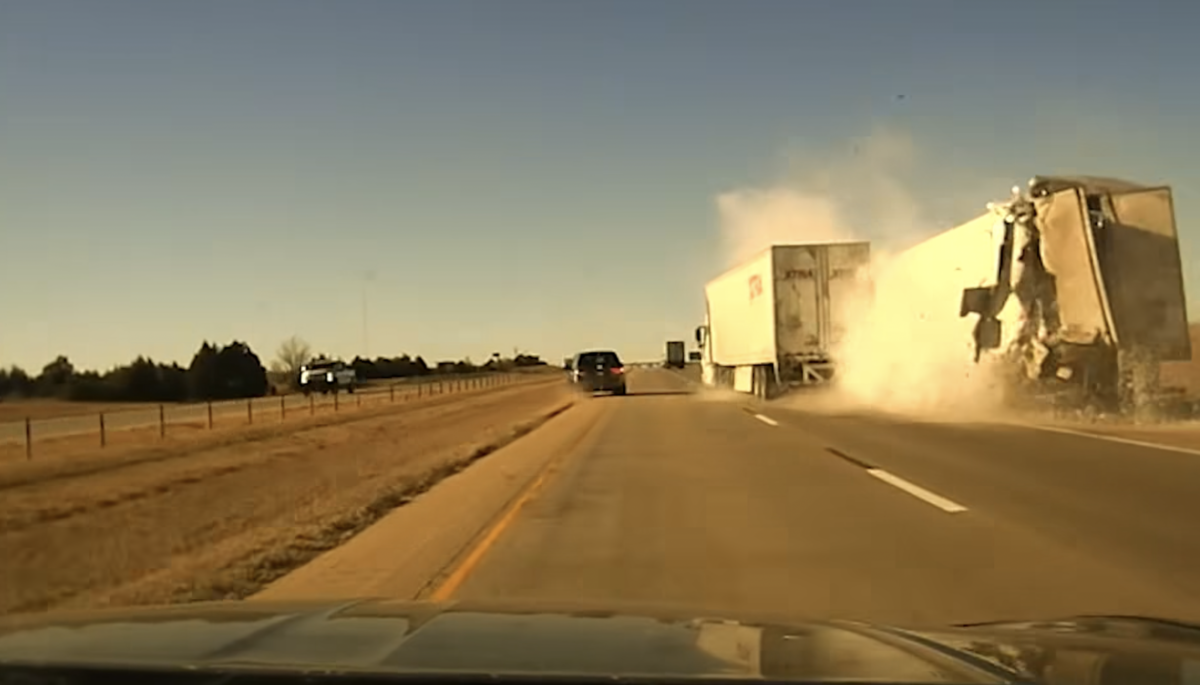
{"x":384,"y":636}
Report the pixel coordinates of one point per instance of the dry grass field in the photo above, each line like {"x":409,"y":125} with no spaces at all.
{"x":223,"y":515}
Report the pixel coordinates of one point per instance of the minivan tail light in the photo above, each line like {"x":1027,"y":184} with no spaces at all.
{"x":618,"y":369}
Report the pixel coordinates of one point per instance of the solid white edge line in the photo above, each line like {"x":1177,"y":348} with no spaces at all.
{"x":766,"y":419}
{"x":1111,"y":438}
{"x":916,"y":491}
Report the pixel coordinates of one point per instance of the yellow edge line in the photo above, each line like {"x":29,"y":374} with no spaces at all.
{"x":460,"y":574}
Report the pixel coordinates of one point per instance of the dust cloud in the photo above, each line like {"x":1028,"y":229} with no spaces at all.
{"x":904,"y":348}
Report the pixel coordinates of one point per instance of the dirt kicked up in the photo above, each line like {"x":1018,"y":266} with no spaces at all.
{"x":224,"y":519}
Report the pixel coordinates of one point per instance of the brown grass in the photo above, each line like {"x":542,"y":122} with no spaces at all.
{"x":134,"y":444}
{"x":39,"y":409}
{"x":237,"y":513}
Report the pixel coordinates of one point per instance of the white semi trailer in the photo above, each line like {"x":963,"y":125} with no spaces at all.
{"x":1072,"y":289}
{"x":774,"y":322}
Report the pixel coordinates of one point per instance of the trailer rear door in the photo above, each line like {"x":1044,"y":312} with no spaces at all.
{"x":1070,"y":255}
{"x":1143,"y":272}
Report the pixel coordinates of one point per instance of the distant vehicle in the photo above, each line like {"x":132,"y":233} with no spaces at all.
{"x":327,"y":376}
{"x":676,"y":354}
{"x":599,"y":371}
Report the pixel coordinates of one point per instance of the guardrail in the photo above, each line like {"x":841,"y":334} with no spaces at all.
{"x":245,"y":412}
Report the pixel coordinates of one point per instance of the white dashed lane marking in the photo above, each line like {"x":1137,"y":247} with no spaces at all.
{"x":948,"y":506}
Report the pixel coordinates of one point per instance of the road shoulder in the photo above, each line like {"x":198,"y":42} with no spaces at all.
{"x":407,"y":553}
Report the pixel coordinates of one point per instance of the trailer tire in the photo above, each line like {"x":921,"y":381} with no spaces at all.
{"x":761,"y":383}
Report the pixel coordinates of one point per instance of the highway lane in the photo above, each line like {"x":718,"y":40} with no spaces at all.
{"x":687,"y":500}
{"x":1114,"y":504}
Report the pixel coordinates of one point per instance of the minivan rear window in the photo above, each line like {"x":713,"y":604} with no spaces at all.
{"x":594,"y":359}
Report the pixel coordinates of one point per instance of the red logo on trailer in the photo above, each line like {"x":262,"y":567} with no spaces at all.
{"x":755,"y":286}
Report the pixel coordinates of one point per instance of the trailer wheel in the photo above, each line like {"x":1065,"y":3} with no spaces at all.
{"x":760,"y":381}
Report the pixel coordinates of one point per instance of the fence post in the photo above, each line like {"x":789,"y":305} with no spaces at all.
{"x":312,"y":405}
{"x":210,"y":414}
{"x":249,"y":411}
{"x":28,"y":439}
{"x":282,"y":407}
{"x":103,"y":437}
{"x":162,"y":422}
{"x":358,"y":400}
{"x":392,"y":391}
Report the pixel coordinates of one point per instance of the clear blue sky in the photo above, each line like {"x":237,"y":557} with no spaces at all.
{"x":541,"y":174}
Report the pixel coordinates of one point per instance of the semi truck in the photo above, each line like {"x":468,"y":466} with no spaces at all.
{"x":676,"y":354}
{"x":774,"y":322}
{"x":1072,"y":290}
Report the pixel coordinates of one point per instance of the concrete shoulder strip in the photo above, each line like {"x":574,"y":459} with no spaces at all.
{"x":1110,"y":438}
{"x":409,"y":548}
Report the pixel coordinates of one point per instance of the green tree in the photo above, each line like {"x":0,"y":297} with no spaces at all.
{"x":203,"y":380}
{"x":55,"y":379}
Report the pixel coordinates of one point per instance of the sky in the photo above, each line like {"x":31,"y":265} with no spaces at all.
{"x":538,"y":175}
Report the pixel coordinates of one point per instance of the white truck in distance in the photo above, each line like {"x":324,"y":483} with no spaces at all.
{"x":1073,"y":291}
{"x":327,"y":376}
{"x":775,"y":321}
{"x":676,"y":355}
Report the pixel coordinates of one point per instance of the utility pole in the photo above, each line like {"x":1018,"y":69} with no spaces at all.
{"x":368,"y":277}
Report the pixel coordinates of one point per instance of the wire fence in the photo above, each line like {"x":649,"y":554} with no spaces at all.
{"x":248,"y":412}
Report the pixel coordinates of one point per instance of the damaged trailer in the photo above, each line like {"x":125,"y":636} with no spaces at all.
{"x":1075,"y":289}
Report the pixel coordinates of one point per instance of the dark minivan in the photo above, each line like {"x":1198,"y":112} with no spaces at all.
{"x":599,"y":371}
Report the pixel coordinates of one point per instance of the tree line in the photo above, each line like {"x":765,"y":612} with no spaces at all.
{"x":216,"y":372}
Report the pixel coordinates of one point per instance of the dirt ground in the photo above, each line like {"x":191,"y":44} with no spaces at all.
{"x":38,"y":409}
{"x":228,"y":517}
{"x":83,"y":450}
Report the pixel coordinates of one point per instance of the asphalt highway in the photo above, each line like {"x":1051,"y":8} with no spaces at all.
{"x":673,"y":497}
{"x":717,"y":504}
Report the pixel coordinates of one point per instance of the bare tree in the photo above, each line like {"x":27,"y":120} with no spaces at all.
{"x":291,"y":355}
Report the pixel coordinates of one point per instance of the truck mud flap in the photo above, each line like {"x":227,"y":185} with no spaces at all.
{"x":816,"y":374}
